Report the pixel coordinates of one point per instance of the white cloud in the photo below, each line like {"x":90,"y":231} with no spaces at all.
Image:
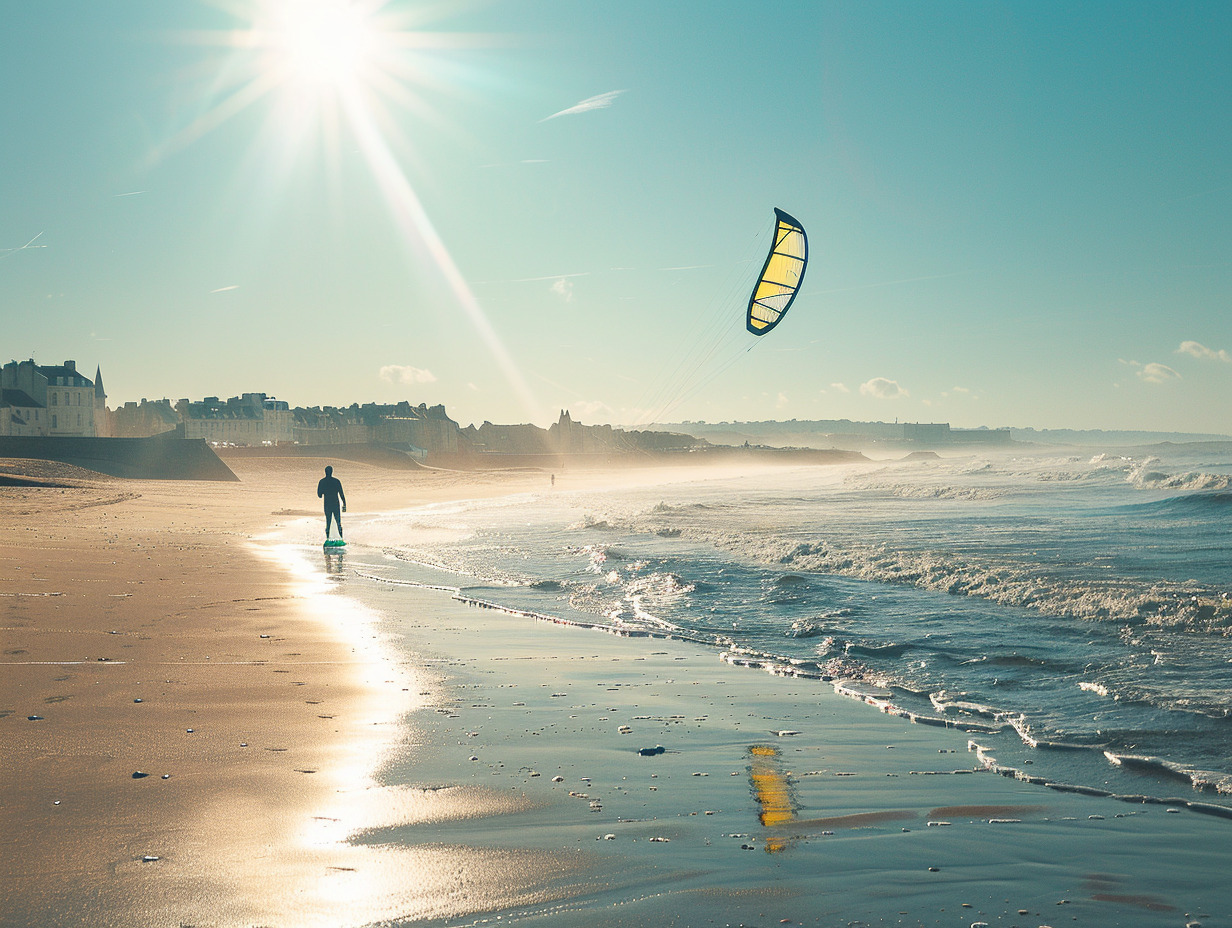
{"x":1202,"y":353}
{"x":840,"y":388}
{"x":1154,"y":372}
{"x":598,"y":102}
{"x":563,"y":288}
{"x":883,"y":389}
{"x":404,"y":373}
{"x":958,"y":391}
{"x":781,"y":400}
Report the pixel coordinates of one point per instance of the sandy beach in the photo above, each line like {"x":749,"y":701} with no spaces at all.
{"x":169,"y":693}
{"x":205,"y":722}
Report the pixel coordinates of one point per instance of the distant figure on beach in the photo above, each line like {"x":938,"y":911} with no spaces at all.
{"x":553,"y":480}
{"x":330,"y":488}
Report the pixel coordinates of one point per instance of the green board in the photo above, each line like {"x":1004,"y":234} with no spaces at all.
{"x":335,"y":543}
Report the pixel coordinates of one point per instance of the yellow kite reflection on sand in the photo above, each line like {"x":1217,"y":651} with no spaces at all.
{"x":781,"y":275}
{"x":772,"y":791}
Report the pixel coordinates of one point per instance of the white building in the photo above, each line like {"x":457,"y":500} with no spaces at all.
{"x":20,"y":414}
{"x":250,"y":419}
{"x":60,"y":401}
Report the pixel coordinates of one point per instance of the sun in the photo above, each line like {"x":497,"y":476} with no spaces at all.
{"x":319,"y":45}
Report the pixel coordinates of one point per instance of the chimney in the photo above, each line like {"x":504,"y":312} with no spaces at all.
{"x":71,"y":365}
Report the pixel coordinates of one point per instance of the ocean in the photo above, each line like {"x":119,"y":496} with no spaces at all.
{"x":1069,"y":610}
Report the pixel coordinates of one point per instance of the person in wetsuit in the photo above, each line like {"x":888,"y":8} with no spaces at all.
{"x":330,"y":489}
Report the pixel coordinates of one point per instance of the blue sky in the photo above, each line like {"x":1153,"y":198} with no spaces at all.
{"x":1018,"y":212}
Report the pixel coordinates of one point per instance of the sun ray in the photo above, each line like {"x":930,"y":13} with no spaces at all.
{"x":414,"y":223}
{"x":325,"y":68}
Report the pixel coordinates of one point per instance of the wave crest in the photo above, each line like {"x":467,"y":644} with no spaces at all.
{"x":1186,"y":605}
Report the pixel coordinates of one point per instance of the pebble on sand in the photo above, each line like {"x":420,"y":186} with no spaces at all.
{"x":138,"y":775}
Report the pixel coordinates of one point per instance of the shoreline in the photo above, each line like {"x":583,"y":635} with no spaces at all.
{"x":876,"y":696}
{"x":882,"y":818}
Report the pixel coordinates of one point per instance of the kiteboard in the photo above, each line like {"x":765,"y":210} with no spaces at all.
{"x":334,"y":543}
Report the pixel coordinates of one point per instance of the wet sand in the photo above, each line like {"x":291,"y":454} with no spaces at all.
{"x":338,"y":751}
{"x":773,"y":801}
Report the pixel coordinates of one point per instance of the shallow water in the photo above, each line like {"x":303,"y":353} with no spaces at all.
{"x":1043,"y":602}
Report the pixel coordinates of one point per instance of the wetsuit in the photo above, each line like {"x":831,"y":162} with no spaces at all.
{"x":330,"y":488}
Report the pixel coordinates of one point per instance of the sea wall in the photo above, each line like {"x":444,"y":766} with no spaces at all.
{"x":362,"y":453}
{"x":156,"y":458}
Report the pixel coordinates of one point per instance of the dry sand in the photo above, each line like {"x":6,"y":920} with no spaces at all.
{"x":344,"y":752}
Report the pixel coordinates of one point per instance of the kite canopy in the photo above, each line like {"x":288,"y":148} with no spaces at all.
{"x":781,"y":275}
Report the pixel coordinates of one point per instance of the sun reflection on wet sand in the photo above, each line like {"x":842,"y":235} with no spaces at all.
{"x":308,"y":870}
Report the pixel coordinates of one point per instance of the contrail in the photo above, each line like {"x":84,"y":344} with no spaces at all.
{"x":9,"y":252}
{"x":598,"y":102}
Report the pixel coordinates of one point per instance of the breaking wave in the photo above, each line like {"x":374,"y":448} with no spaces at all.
{"x":1143,"y":478}
{"x":1188,"y":605}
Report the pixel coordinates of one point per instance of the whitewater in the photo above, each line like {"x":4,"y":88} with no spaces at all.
{"x":1069,"y":609}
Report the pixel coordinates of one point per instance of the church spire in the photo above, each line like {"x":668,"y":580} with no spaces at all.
{"x":99,"y":392}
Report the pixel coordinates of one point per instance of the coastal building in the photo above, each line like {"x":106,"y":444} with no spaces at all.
{"x":567,"y":436}
{"x":20,"y":414}
{"x":417,"y":429}
{"x":331,"y":425}
{"x":249,"y":419}
{"x":66,"y":401}
{"x":104,"y":424}
{"x":490,"y":438}
{"x":940,"y":433}
{"x":144,"y":419}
